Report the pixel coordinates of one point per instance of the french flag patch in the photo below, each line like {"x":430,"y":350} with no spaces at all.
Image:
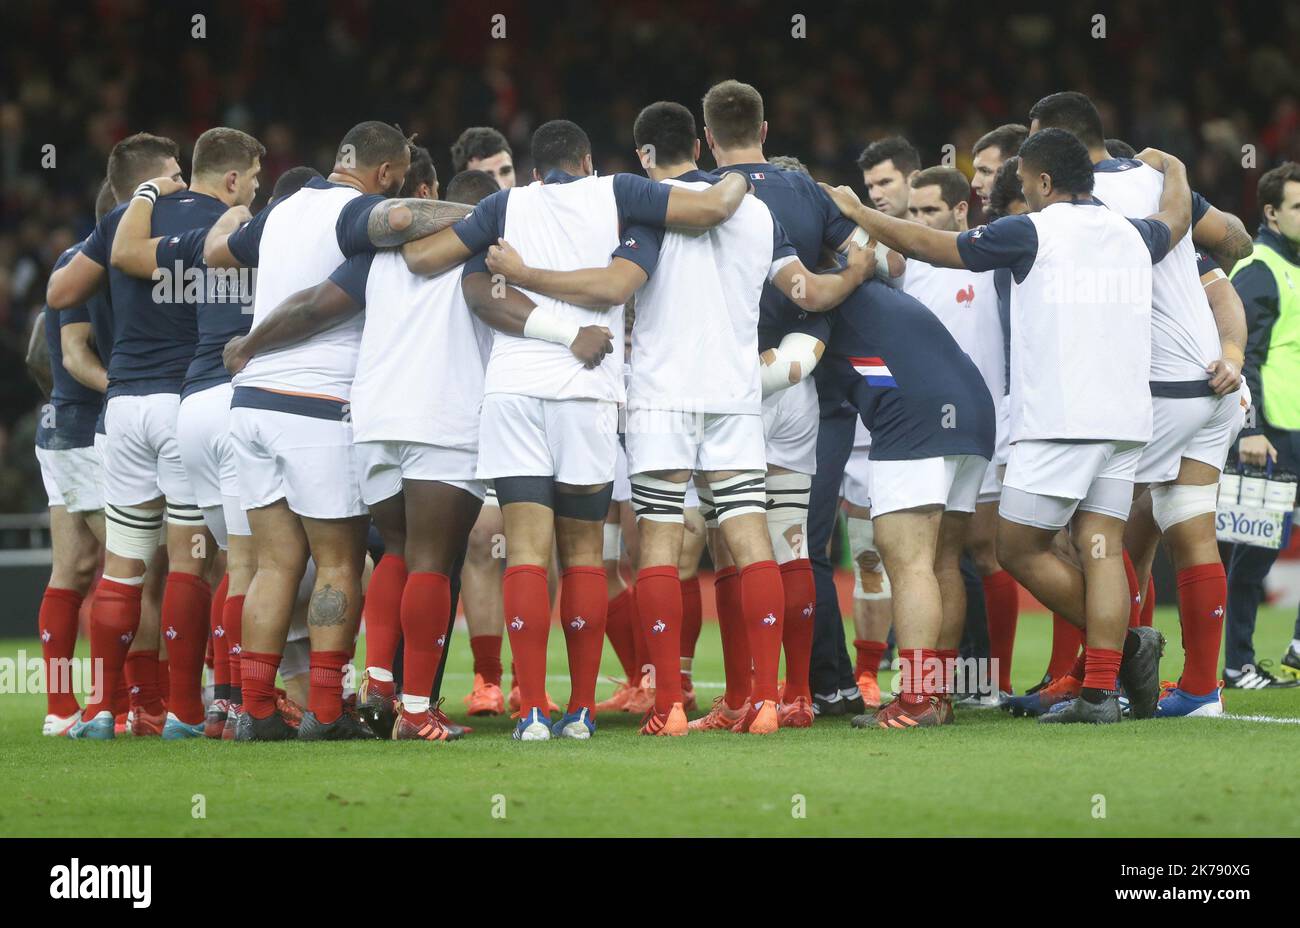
{"x":759,"y":176}
{"x":875,"y":371}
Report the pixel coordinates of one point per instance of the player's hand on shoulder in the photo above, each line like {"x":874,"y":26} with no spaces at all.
{"x":504,"y":260}
{"x":1161,"y":161}
{"x":592,"y":344}
{"x":234,"y":356}
{"x":844,"y":197}
{"x":168,"y":185}
{"x":1225,"y":376}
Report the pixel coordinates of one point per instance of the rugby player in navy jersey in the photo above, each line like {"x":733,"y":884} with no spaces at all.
{"x":226,"y":164}
{"x":1071,"y":462}
{"x":932,"y":428}
{"x":70,"y":470}
{"x":792,"y":341}
{"x":153,"y":344}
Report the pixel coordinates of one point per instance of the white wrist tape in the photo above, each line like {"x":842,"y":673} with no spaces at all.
{"x":547,"y":325}
{"x":147,"y":191}
{"x":795,"y":348}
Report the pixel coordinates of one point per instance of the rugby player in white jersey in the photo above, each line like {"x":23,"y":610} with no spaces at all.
{"x":415,"y":404}
{"x":1197,"y":349}
{"x":228,"y":160}
{"x":967,"y":304}
{"x":145,"y":480}
{"x":1082,"y":292}
{"x":549,"y":426}
{"x":290,"y":422}
{"x":990,"y":152}
{"x":698,"y":410}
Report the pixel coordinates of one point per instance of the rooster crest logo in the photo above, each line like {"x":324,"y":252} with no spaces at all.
{"x":808,"y":610}
{"x":517,"y":623}
{"x":442,"y":639}
{"x":967,"y":295}
{"x":769,"y":619}
{"x":1218,"y":612}
{"x":45,"y":634}
{"x":578,"y":623}
{"x":236,"y":649}
{"x":659,"y":626}
{"x":219,"y":632}
{"x":126,"y":637}
{"x":171,"y":632}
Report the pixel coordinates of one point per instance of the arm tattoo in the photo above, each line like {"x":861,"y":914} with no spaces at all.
{"x":328,"y":607}
{"x":396,"y":222}
{"x":1235,"y":244}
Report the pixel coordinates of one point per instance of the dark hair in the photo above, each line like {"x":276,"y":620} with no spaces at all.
{"x":1073,"y":112}
{"x":1006,"y":139}
{"x":789,"y":163}
{"x":1062,"y":156}
{"x":104,"y":200}
{"x":422,"y":171}
{"x":1272,"y":185}
{"x":1118,"y":148}
{"x":669,"y":128}
{"x":475,"y":143}
{"x":953,"y":186}
{"x":469,"y":187}
{"x":371,"y":143}
{"x":222,"y":149}
{"x":1005,"y":191}
{"x":895,"y":148}
{"x":733,"y":112}
{"x":559,"y":144}
{"x":137,"y":158}
{"x":292,"y":180}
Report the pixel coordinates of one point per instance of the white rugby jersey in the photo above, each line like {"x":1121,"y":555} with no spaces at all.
{"x":695,"y":341}
{"x":423,"y":353}
{"x":966,"y":302}
{"x":1080,"y":318}
{"x":565,"y":224}
{"x":297,"y":243}
{"x":1184,"y":337}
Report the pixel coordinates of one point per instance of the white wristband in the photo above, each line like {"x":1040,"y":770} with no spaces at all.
{"x":547,"y":325}
{"x":146,"y":191}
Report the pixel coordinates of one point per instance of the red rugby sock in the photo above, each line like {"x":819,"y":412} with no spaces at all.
{"x":325,"y":694}
{"x":528,"y":621}
{"x":659,"y":604}
{"x":487,"y":657}
{"x":258,"y":670}
{"x":1067,"y":639}
{"x":1202,"y":594}
{"x":187,"y":600}
{"x":797,"y":634}
{"x":232,"y":619}
{"x":1134,"y":595}
{"x":763,"y":604}
{"x":1149,"y":602}
{"x":692,"y":615}
{"x":736,"y":660}
{"x":114,"y":620}
{"x":217,"y":642}
{"x":426,"y":622}
{"x":384,"y":617}
{"x":57,"y":622}
{"x":141,"y":672}
{"x":869,"y":655}
{"x":1002,"y":603}
{"x":618,"y":627}
{"x":584,"y":603}
{"x":1101,"y":670}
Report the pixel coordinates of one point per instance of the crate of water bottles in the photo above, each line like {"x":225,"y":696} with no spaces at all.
{"x":1256,"y":506}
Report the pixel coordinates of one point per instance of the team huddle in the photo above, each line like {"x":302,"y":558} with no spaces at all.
{"x":244,"y":404}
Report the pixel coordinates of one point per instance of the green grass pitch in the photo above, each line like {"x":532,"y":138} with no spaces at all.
{"x":988,"y":774}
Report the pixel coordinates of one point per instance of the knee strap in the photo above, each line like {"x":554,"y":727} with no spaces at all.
{"x":742,"y":494}
{"x":787,"y":515}
{"x":658,"y":500}
{"x":587,"y":507}
{"x":870,"y":582}
{"x":132,"y":532}
{"x":1172,"y":504}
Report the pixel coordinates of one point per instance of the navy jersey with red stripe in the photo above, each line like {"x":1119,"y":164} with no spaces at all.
{"x":917,"y":392}
{"x":811,"y":222}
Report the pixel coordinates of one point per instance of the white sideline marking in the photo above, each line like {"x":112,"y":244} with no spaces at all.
{"x":1260,"y":718}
